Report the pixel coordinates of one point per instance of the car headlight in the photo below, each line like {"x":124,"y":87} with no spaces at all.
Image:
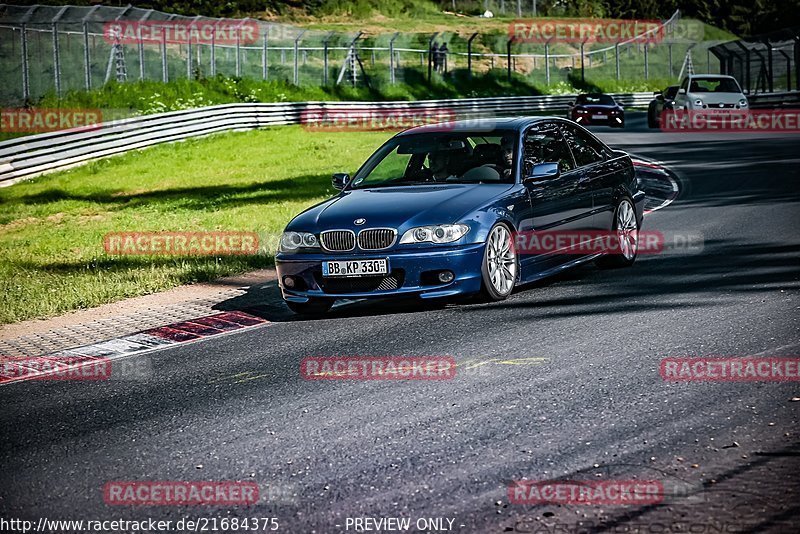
{"x":743,"y":103}
{"x":581,"y":111}
{"x":443,"y":233}
{"x":698,"y":102}
{"x":296,"y":240}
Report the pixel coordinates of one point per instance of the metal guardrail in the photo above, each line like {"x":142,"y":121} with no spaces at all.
{"x":29,"y":156}
{"x":774,"y":100}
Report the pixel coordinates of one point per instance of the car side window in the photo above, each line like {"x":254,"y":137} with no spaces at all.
{"x":544,"y":144}
{"x":685,"y":83}
{"x":585,"y":149}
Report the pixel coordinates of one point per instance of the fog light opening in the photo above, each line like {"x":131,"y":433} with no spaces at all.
{"x":446,"y":277}
{"x":288,"y":281}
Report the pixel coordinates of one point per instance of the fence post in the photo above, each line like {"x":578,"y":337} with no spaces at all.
{"x":164,"y":70}
{"x":26,"y":89}
{"x":392,"y":78}
{"x":296,"y":59}
{"x":56,"y":60}
{"x":325,"y":58}
{"x":583,"y":67}
{"x":547,"y":61}
{"x":87,"y":67}
{"x":769,"y":65}
{"x":213,"y":52}
{"x":265,"y":56}
{"x":508,"y":57}
{"x":616,"y":58}
{"x":796,"y":49}
{"x":646,"y":63}
{"x":469,"y":53}
{"x":140,"y":46}
{"x":238,"y":54}
{"x":189,"y":55}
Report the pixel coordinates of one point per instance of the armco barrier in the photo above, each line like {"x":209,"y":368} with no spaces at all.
{"x":30,"y":156}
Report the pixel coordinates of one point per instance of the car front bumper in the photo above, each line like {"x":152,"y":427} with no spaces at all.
{"x":609,"y":120}
{"x":412,"y":272}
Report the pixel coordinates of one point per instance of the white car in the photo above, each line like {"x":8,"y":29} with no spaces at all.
{"x":710,"y":92}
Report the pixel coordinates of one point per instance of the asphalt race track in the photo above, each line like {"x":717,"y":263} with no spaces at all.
{"x":559,"y":381}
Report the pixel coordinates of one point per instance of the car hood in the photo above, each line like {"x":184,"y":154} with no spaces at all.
{"x":717,"y":98}
{"x":399,"y":207}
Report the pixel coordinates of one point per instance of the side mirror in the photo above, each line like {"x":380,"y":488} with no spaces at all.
{"x":340,"y":180}
{"x":681,"y":91}
{"x":659,"y":96}
{"x":544,"y":171}
{"x":572,"y":104}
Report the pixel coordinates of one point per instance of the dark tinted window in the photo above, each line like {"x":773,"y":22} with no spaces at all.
{"x":714,"y":85}
{"x":544,"y":144}
{"x":588,"y":100}
{"x":450,"y":155}
{"x":585,"y":148}
{"x":671,"y":92}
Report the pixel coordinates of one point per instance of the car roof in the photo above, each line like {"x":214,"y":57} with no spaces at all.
{"x":482,"y":124}
{"x":710,"y":76}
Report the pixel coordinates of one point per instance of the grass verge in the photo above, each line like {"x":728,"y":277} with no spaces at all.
{"x":52,"y":228}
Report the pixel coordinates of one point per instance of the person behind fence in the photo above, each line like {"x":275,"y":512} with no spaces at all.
{"x":443,"y":50}
{"x":435,"y":55}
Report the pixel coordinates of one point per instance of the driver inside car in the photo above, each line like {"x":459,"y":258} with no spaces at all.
{"x":439,"y":166}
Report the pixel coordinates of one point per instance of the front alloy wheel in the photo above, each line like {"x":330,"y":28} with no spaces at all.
{"x":626,"y":229}
{"x":500,"y":266}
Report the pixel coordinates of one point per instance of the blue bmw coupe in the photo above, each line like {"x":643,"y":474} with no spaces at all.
{"x":435,"y":210}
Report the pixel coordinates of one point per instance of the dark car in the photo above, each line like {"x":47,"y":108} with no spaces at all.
{"x":663,"y":101}
{"x":435,"y":213}
{"x":597,"y":109}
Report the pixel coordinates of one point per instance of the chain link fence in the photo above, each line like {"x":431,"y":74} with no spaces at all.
{"x":765,"y":63}
{"x":56,"y":49}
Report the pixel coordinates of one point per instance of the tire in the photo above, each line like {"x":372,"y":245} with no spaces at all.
{"x":625,"y":218}
{"x":312,"y":307}
{"x":500,"y":265}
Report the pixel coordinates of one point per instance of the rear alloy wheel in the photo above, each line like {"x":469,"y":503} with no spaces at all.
{"x":312,"y":307}
{"x":500,"y":266}
{"x":626,"y":229}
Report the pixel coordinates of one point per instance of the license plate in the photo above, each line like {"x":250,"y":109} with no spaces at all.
{"x":355,"y":267}
{"x":598,"y":116}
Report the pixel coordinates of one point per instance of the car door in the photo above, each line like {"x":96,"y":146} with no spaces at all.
{"x":598,"y":172}
{"x":557,"y":204}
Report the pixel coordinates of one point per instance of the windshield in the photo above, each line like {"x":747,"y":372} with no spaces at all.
{"x":603,"y":100}
{"x":714,"y":85}
{"x":441,"y":157}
